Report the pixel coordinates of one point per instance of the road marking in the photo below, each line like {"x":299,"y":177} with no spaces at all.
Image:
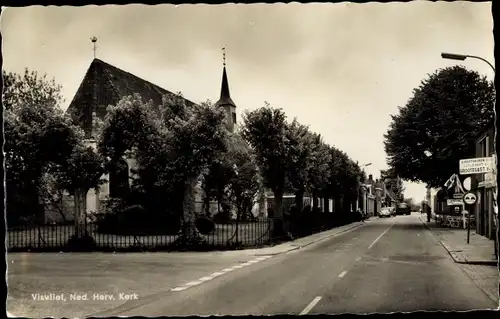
{"x":219,"y":273}
{"x":377,"y":239}
{"x":206,"y":278}
{"x":310,"y":306}
{"x":342,"y":274}
{"x":193,"y":283}
{"x":358,"y":259}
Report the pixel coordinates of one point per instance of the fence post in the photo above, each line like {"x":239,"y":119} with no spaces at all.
{"x":39,"y":236}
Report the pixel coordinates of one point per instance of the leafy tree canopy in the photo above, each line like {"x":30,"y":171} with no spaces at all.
{"x":438,"y":125}
{"x":265,"y":130}
{"x":29,"y":88}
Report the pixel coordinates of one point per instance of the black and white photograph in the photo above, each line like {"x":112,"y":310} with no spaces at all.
{"x":250,"y":159}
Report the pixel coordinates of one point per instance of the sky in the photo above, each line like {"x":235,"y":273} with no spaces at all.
{"x":341,"y":68}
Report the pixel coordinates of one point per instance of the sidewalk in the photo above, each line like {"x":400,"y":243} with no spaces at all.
{"x":480,"y":250}
{"x":308,"y":240}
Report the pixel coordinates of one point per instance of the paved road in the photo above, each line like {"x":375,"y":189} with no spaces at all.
{"x":385,"y":266}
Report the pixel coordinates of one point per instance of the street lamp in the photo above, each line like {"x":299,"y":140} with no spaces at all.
{"x":462,"y":57}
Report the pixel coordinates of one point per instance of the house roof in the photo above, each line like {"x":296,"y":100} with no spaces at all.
{"x":104,"y":84}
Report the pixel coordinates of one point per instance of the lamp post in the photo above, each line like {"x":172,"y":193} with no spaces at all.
{"x":462,"y":57}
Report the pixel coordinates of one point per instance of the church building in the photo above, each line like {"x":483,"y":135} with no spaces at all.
{"x":103,"y":85}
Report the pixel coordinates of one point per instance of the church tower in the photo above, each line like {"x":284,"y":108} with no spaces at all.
{"x":225,"y":100}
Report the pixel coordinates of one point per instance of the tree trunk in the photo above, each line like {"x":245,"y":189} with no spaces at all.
{"x":278,"y":229}
{"x":278,"y":204}
{"x":188,"y":208}
{"x":206,"y":203}
{"x":338,"y":208}
{"x":77,"y":208}
{"x":315,"y":199}
{"x":299,"y":200}
{"x":80,"y":201}
{"x":326,"y":204}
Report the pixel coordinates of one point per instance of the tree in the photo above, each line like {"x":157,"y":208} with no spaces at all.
{"x":37,"y":136}
{"x":394,"y":183}
{"x":81,"y":172}
{"x":173,"y":144}
{"x":318,"y":170}
{"x":29,"y":89}
{"x":300,"y":159}
{"x":195,"y":135}
{"x":245,"y":181}
{"x":441,"y":120}
{"x":265,"y":130}
{"x":216,"y":180}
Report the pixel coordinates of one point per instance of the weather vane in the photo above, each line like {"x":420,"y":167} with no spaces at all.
{"x":224,"y":56}
{"x":94,"y":40}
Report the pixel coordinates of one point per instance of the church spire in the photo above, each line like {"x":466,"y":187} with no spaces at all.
{"x":225,"y":100}
{"x":225,"y":97}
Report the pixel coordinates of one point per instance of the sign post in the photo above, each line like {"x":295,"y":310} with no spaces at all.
{"x":469,"y":200}
{"x":476,"y":165}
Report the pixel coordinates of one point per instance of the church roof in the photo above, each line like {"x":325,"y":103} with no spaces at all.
{"x":105,"y":84}
{"x":225,"y":96}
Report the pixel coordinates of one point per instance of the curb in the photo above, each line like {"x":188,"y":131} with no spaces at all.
{"x":307,"y":244}
{"x":460,"y":260}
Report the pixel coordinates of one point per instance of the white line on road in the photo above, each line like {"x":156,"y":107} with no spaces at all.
{"x":206,"y":278}
{"x":376,"y":239}
{"x":193,"y":283}
{"x":342,"y":274}
{"x":217,"y":274}
{"x":310,"y":306}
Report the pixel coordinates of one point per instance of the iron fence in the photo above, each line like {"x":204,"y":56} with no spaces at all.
{"x":55,"y":237}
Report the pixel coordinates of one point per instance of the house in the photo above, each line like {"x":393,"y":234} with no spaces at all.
{"x":103,"y":85}
{"x":369,"y":196}
{"x":486,"y":184}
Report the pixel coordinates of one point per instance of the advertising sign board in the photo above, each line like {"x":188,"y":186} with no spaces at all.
{"x":476,"y":165}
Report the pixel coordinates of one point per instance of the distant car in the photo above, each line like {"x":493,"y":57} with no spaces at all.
{"x":393,"y":211}
{"x":403,"y":209}
{"x":385,"y":212}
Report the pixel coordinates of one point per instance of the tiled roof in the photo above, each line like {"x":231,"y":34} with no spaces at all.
{"x":105,"y":84}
